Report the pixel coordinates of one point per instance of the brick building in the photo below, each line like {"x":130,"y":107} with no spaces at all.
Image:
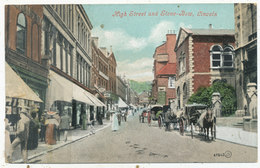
{"x":163,"y":87}
{"x":245,"y":50}
{"x":99,"y":72}
{"x":111,"y":91}
{"x":203,"y":57}
{"x":23,"y":31}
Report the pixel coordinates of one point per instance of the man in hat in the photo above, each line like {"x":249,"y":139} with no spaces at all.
{"x":22,"y":132}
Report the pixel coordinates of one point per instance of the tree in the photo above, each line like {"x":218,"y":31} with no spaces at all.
{"x":227,"y":92}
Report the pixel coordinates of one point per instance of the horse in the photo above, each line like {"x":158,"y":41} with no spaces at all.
{"x":208,"y":122}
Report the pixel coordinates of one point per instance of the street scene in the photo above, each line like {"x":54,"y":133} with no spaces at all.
{"x":131,"y":83}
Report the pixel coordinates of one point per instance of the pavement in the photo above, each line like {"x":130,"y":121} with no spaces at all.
{"x":237,"y":135}
{"x":225,"y":133}
{"x":73,"y":136}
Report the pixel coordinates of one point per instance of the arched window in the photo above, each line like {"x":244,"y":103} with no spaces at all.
{"x":185,"y":91}
{"x":227,"y":56}
{"x":179,"y":97}
{"x":215,"y":54}
{"x":21,"y":34}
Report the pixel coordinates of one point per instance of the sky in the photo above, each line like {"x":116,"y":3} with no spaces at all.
{"x":135,"y":38}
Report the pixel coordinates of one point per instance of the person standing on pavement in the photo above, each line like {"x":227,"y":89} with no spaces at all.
{"x":91,"y":125}
{"x":167,"y":119}
{"x":8,"y":144}
{"x":114,"y":122}
{"x":64,"y":124}
{"x":119,"y":117}
{"x":22,"y":133}
{"x":43,"y":126}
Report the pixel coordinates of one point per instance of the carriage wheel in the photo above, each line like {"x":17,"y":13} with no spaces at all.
{"x":181,"y":124}
{"x":160,"y":122}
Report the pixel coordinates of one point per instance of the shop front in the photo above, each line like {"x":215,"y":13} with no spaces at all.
{"x":18,"y":94}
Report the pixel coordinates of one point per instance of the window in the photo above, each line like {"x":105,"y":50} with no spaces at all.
{"x":216,"y":51}
{"x":228,"y":57}
{"x":185,"y":91}
{"x":182,"y":63}
{"x":179,"y":98}
{"x":221,"y":58}
{"x":21,"y":34}
{"x":171,"y":82}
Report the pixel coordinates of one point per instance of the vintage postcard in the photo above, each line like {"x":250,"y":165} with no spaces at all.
{"x":130,"y":84}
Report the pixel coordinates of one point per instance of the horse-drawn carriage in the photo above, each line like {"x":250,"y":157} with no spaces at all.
{"x":155,"y":113}
{"x":199,"y":115}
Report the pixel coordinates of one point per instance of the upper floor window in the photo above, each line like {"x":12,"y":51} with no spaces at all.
{"x":221,"y":58}
{"x":182,"y":63}
{"x":171,"y":82}
{"x":21,"y":34}
{"x":216,"y":56}
{"x":228,"y":56}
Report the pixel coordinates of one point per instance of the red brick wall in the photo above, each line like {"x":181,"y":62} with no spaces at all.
{"x":170,"y":93}
{"x":200,"y":81}
{"x":33,"y":43}
{"x":201,"y":48}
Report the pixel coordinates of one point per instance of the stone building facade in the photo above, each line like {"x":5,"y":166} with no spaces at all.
{"x":245,"y":50}
{"x":203,"y":57}
{"x":23,"y":31}
{"x":163,"y":86}
{"x":66,"y":45}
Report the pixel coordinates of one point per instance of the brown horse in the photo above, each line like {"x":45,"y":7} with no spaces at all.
{"x":208,"y":122}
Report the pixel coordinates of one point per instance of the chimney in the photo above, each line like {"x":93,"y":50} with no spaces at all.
{"x":210,"y":26}
{"x":95,"y":40}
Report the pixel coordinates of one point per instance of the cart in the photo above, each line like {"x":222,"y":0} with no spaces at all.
{"x":192,"y":114}
{"x":155,"y":114}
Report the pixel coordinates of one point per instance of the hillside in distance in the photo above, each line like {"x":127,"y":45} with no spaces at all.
{"x":139,"y":87}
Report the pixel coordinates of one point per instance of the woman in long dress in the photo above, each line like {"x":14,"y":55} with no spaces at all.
{"x":114,"y":122}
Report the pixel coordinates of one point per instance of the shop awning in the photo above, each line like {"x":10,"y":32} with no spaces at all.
{"x":16,"y":87}
{"x":95,"y":100}
{"x":60,"y":89}
{"x":121,"y":103}
{"x":78,"y":94}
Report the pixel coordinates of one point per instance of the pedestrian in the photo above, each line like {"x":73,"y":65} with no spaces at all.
{"x":33,"y":129}
{"x":51,"y":128}
{"x":8,"y":145}
{"x":64,"y":125}
{"x":119,"y":117}
{"x":167,"y":119}
{"x":91,"y":125}
{"x":22,"y":132}
{"x":114,"y":122}
{"x":43,"y":126}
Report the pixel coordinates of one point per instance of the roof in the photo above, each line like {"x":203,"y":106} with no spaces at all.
{"x":210,"y":31}
{"x":168,"y":69}
{"x":185,"y":33}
